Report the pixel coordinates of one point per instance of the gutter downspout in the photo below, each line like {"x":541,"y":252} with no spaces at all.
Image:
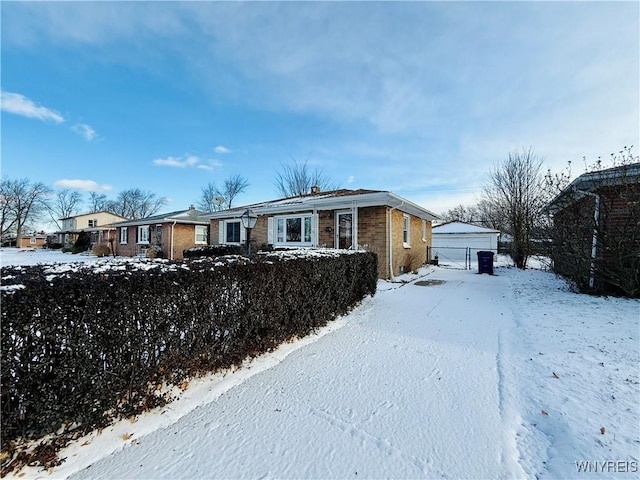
{"x":594,"y":241}
{"x":172,"y":226}
{"x":354,"y":225}
{"x":390,"y":223}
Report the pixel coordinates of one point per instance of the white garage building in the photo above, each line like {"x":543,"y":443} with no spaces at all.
{"x":458,"y":243}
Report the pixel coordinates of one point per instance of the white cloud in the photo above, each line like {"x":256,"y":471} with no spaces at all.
{"x":86,"y":185}
{"x":84,"y":131}
{"x":180,"y":162}
{"x":188,"y":161}
{"x":221,"y":149}
{"x":351,"y":179}
{"x":21,"y":105}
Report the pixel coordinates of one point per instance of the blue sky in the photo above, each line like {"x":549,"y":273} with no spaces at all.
{"x":420,"y":98}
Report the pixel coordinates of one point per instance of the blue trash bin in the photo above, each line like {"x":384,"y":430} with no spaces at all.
{"x":485,"y":262}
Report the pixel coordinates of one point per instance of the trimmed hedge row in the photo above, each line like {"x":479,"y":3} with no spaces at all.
{"x":213,"y":251}
{"x":88,"y":345}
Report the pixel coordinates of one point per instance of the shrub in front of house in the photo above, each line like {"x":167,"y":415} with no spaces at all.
{"x":83,"y":243}
{"x":213,"y":251}
{"x":86,"y":344}
{"x":101,"y":250}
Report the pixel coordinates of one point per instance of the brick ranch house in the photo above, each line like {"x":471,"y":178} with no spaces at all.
{"x":170,"y":233}
{"x":596,"y":231}
{"x":398,"y":230}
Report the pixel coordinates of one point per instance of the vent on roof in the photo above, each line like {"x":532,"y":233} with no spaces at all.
{"x":315,"y":189}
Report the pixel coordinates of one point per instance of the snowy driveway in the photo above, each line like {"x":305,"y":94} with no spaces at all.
{"x":419,"y":382}
{"x":406,"y":389}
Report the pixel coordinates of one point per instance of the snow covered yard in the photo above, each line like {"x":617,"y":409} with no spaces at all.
{"x":451,"y":375}
{"x":34,"y":256}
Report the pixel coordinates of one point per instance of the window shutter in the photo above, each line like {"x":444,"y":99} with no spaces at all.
{"x":243,"y":233}
{"x":220,"y":232}
{"x":270,"y":239}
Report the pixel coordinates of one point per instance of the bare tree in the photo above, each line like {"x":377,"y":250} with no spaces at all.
{"x":210,"y":198}
{"x":213,"y":198}
{"x":483,"y":214}
{"x":63,"y":205}
{"x":490,"y":216}
{"x":461,"y":213}
{"x":22,"y":202}
{"x":297,"y":178}
{"x":97,"y":202}
{"x":134,"y":203}
{"x":7,"y":219}
{"x":233,"y":186}
{"x":516,"y":188}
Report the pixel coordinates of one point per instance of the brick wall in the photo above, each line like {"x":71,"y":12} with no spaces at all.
{"x":327,"y":228}
{"x":259,"y":233}
{"x":409,"y":257}
{"x":372,"y":233}
{"x":184,"y":236}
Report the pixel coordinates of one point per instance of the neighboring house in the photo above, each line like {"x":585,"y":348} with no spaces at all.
{"x":171,"y":233}
{"x":96,"y":224}
{"x":596,"y":230}
{"x":458,"y":241}
{"x":33,"y":240}
{"x":398,"y":230}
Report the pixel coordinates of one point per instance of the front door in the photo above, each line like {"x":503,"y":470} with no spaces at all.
{"x":344,"y":230}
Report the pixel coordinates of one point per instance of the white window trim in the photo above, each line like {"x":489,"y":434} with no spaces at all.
{"x":424,"y":230}
{"x":124,"y":235}
{"x":33,"y":240}
{"x":222,"y":233}
{"x":406,"y":227}
{"x":200,"y":242}
{"x":144,"y":228}
{"x":301,"y":216}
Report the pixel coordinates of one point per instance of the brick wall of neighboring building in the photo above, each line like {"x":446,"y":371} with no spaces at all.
{"x":617,"y":241}
{"x":184,"y":237}
{"x":32,"y":242}
{"x":130,"y":248}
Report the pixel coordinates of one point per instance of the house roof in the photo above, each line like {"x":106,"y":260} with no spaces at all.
{"x":593,"y":181}
{"x":461,"y":228}
{"x":93,"y":213}
{"x":329,"y":200}
{"x":189,"y":216}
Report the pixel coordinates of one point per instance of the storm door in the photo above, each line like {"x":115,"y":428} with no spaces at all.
{"x":344,"y":232}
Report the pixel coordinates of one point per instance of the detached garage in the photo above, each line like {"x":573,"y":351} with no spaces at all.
{"x":458,"y":243}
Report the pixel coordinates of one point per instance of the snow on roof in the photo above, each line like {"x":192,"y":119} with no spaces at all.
{"x":460,"y":227}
